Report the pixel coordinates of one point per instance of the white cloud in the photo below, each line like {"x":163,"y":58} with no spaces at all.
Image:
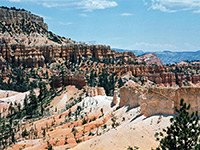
{"x":15,"y":0}
{"x":90,"y":42}
{"x":196,"y":11}
{"x":50,"y":5}
{"x":86,"y":5}
{"x":176,"y":5}
{"x":65,"y":23}
{"x":145,"y":3}
{"x":90,"y":5}
{"x":126,"y":14}
{"x":83,"y":15}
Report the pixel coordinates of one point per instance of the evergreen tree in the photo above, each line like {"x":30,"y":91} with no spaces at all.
{"x":25,"y":133}
{"x":112,"y":84}
{"x":11,"y":109}
{"x":120,"y":83}
{"x":184,"y":131}
{"x":92,"y":79}
{"x":33,"y":104}
{"x":26,"y":104}
{"x":13,"y":136}
{"x":43,"y":132}
{"x":41,"y":109}
{"x":43,"y":91}
{"x":49,"y":146}
{"x":19,"y":110}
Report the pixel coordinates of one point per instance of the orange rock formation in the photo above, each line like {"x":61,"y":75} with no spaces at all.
{"x":159,"y":100}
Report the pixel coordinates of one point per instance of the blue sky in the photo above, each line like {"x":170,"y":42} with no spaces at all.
{"x":148,"y":25}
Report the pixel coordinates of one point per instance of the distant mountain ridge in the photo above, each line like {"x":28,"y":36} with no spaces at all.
{"x":175,"y":57}
{"x":168,"y":57}
{"x":136,"y":52}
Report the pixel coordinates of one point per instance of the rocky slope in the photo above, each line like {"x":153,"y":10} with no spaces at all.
{"x":12,"y":15}
{"x":150,"y":59}
{"x":98,"y":125}
{"x":136,"y":132}
{"x":18,"y":26}
{"x":173,"y":75}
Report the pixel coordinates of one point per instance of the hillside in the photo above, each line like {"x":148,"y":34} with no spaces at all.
{"x":23,"y":27}
{"x":98,"y":125}
{"x":150,"y":59}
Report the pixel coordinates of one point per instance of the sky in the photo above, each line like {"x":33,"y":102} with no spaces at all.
{"x":148,"y":25}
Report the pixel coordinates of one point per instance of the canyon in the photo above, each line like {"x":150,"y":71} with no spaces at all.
{"x":57,"y":93}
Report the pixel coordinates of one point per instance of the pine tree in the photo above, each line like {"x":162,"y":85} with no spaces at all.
{"x":26,"y":103}
{"x":120,"y":83}
{"x":25,"y":133}
{"x":43,"y":132}
{"x":43,"y":91}
{"x":19,"y":110}
{"x":33,"y":105}
{"x":49,"y":146}
{"x":13,"y":136}
{"x":92,"y":79}
{"x":41,"y":109}
{"x":184,"y":131}
{"x":11,"y":108}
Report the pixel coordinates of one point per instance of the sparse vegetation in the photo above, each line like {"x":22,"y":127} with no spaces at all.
{"x":49,"y":146}
{"x":184,"y":131}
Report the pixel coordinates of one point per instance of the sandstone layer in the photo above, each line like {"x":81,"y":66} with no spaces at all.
{"x":95,"y":91}
{"x":159,"y":100}
{"x":20,"y":53}
{"x":12,"y":14}
{"x":160,"y":75}
{"x":78,"y":80}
